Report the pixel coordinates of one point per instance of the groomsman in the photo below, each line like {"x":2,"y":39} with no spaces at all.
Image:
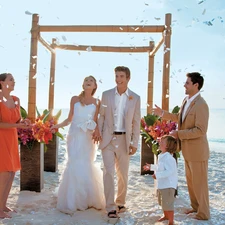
{"x":192,"y":128}
{"x":119,"y":127}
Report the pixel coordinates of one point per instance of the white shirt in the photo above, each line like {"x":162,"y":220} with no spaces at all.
{"x":166,"y":171}
{"x":187,"y":104}
{"x":119,"y":113}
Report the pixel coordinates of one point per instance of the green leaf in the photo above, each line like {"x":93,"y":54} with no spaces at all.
{"x":150,"y":119}
{"x":176,"y":109}
{"x":46,"y":116}
{"x":59,"y":135}
{"x":58,"y":114}
{"x":38,"y":113}
{"x":23,"y":112}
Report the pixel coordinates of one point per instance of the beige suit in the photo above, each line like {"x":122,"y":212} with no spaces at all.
{"x":115,"y":148}
{"x":195,"y":149}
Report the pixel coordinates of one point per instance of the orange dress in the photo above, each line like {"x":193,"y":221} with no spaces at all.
{"x":9,"y":152}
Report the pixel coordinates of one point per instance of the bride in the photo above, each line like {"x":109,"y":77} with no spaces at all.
{"x":81,"y":183}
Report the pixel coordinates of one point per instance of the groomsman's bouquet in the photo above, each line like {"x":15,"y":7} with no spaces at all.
{"x":154,"y":127}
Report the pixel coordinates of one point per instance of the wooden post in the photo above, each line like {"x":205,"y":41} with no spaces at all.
{"x":51,"y":155}
{"x":150,"y":79}
{"x":52,"y":80}
{"x":147,"y":156}
{"x":33,"y":68}
{"x":166,"y":63}
{"x":31,"y":174}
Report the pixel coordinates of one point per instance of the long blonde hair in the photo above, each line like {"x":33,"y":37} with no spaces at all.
{"x":81,"y":95}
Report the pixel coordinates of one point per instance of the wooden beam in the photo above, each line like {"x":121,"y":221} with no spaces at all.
{"x":33,"y":69}
{"x":45,"y":44}
{"x":103,"y":48}
{"x":166,"y":63}
{"x":102,"y":28}
{"x":52,"y":80}
{"x":150,"y":79}
{"x":156,"y":48}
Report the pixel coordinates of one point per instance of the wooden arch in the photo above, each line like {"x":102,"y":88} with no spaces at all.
{"x":151,"y":49}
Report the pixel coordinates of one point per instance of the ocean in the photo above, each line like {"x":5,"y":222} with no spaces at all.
{"x":215,"y":134}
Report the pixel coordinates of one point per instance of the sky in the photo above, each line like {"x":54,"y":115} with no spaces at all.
{"x":197,"y":44}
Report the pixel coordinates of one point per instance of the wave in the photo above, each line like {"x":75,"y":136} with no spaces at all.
{"x":216,"y":140}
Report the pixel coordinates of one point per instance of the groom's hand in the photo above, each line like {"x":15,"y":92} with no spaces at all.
{"x":132,"y":150}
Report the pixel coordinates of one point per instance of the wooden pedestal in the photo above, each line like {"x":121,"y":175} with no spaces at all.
{"x":147,"y":156}
{"x":32,"y":166}
{"x":51,"y":155}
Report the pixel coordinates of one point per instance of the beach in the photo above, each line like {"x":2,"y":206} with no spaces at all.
{"x":40,"y":208}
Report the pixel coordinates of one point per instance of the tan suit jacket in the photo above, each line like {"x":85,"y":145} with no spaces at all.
{"x":192,"y":131}
{"x":132,"y":118}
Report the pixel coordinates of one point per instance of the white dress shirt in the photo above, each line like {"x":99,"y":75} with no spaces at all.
{"x":165,"y":171}
{"x":187,"y":104}
{"x":119,"y":113}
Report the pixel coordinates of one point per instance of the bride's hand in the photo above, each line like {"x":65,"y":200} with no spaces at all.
{"x":54,"y":128}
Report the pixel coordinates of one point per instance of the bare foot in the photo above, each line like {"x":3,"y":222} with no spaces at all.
{"x":190,"y":211}
{"x":162,"y":219}
{"x":7,"y":209}
{"x":4,"y":215}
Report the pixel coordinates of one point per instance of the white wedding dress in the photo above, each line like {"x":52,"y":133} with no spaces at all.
{"x":81,"y":184}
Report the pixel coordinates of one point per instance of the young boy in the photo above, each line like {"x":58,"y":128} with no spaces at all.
{"x":166,"y":174}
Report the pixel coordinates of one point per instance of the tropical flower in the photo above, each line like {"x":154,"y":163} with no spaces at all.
{"x":40,"y":130}
{"x":130,"y":97}
{"x":153,"y":128}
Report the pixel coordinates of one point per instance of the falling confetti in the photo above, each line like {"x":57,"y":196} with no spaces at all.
{"x":100,"y":81}
{"x":200,"y":2}
{"x":28,"y":13}
{"x":121,"y":28}
{"x":64,"y":38}
{"x":209,"y":23}
{"x":89,"y":49}
{"x":157,"y":18}
{"x":203,"y":13}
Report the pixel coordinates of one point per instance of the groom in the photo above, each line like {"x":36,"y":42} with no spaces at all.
{"x":119,"y":126}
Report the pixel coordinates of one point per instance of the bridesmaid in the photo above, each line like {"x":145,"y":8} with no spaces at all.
{"x":9,"y":122}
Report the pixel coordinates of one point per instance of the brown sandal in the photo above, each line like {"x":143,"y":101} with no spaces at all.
{"x":113,"y":217}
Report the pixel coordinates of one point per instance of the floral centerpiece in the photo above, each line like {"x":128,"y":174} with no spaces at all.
{"x":154,"y":127}
{"x":40,"y":130}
